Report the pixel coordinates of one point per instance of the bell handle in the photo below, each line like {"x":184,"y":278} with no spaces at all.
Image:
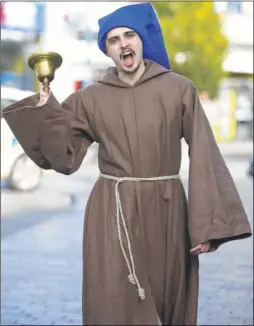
{"x":45,"y":85}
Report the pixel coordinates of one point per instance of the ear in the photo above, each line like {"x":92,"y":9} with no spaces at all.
{"x":106,"y":51}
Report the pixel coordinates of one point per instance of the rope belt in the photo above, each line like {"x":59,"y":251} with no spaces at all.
{"x":132,"y":277}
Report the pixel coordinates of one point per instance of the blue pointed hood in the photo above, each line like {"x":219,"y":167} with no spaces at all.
{"x":142,"y":19}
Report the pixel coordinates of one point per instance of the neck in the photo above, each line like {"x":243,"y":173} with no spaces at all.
{"x":132,"y":78}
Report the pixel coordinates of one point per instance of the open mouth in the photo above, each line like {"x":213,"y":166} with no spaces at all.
{"x":127,"y":57}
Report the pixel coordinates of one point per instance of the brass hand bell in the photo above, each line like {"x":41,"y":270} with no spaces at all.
{"x":45,"y":65}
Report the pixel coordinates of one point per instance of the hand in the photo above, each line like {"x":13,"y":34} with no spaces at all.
{"x":201,"y":248}
{"x":43,"y":98}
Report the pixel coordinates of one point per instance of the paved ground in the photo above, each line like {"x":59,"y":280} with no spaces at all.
{"x":28,"y":202}
{"x":226,"y":296}
{"x":41,"y":268}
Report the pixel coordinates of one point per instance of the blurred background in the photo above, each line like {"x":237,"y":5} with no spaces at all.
{"x":42,"y":212}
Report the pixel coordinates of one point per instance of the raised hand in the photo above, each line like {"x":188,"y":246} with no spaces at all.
{"x":43,"y":98}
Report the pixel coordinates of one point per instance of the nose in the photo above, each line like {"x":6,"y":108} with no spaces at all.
{"x":123,"y":43}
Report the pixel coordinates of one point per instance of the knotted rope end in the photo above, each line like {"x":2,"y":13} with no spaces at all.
{"x":131,"y":279}
{"x":141,"y":293}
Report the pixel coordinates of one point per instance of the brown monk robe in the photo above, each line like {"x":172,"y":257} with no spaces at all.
{"x":139,"y":130}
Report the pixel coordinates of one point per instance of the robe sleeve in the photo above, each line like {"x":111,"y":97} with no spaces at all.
{"x":55,"y":136}
{"x":215,"y":210}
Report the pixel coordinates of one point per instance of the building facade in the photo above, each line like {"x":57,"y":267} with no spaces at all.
{"x":236,"y":91}
{"x":19,"y":33}
{"x":71,"y":29}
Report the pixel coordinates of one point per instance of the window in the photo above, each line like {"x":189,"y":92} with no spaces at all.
{"x":235,"y":6}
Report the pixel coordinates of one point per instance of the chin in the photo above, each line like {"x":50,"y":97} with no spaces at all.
{"x":131,"y":70}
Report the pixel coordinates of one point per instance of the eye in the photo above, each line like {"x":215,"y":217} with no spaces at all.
{"x":113,"y":40}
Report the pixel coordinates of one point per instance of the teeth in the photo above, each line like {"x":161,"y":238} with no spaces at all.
{"x":126,"y":53}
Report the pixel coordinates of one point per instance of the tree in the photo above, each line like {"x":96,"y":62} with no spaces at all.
{"x":194,"y":41}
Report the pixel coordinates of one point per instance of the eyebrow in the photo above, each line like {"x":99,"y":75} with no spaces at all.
{"x":117,"y":36}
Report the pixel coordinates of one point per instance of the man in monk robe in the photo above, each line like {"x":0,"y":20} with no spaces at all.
{"x":141,"y":238}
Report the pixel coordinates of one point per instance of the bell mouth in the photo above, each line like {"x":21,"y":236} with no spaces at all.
{"x":53,"y":57}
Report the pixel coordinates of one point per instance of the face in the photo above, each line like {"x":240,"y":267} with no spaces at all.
{"x":125,"y":48}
